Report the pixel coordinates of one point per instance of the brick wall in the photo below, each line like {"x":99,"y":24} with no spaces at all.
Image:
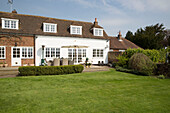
{"x":22,"y":41}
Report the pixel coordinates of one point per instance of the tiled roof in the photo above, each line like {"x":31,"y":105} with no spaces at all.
{"x":29,"y":24}
{"x":121,"y":45}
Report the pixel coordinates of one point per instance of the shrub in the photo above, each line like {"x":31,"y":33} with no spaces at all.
{"x":161,"y":77}
{"x":121,"y":69}
{"x":141,"y":63}
{"x":163,"y":69}
{"x":49,"y":70}
{"x":154,"y":55}
{"x":122,"y":61}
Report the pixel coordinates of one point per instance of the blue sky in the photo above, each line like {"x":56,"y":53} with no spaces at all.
{"x":113,"y":15}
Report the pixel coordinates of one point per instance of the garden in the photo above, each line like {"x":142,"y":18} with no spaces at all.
{"x":109,"y":91}
{"x":144,"y":62}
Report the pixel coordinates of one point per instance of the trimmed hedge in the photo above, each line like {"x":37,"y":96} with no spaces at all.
{"x":49,"y":70}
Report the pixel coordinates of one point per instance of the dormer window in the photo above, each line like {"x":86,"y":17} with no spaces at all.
{"x":9,"y":23}
{"x":77,"y":30}
{"x":97,"y":32}
{"x":50,"y":27}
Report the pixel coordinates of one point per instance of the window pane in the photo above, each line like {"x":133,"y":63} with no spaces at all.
{"x":30,"y":52}
{"x":58,"y":52}
{"x":52,"y":52}
{"x":2,"y":52}
{"x":7,"y":24}
{"x":47,"y":53}
{"x":47,"y":28}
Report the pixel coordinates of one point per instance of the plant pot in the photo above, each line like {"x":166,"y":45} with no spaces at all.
{"x":5,"y":65}
{"x":86,"y":66}
{"x":1,"y":65}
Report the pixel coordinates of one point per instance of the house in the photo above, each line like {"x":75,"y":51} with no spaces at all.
{"x":26,"y":39}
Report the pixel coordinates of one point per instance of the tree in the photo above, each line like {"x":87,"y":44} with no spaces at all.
{"x":129,"y":35}
{"x":148,"y":38}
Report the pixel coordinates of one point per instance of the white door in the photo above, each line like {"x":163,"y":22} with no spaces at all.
{"x":16,"y":56}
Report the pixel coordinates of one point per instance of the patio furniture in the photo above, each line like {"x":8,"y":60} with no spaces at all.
{"x":56,"y":62}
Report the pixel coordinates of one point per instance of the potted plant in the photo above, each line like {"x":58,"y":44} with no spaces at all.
{"x":1,"y":64}
{"x":86,"y":64}
{"x":89,"y":65}
{"x":5,"y":64}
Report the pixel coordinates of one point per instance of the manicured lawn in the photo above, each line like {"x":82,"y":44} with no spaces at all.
{"x":97,"y":92}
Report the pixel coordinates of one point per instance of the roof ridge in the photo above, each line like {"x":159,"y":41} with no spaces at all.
{"x":48,"y":17}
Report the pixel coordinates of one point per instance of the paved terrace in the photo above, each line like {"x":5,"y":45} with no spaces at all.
{"x":13,"y":71}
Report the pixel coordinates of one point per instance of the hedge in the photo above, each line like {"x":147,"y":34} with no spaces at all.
{"x":49,"y":70}
{"x":155,"y":55}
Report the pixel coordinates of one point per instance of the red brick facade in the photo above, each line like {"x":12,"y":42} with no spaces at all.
{"x":21,"y":41}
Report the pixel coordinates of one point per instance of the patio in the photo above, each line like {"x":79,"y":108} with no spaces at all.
{"x":13,"y":71}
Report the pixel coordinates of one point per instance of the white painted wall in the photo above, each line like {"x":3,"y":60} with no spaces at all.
{"x":58,"y":42}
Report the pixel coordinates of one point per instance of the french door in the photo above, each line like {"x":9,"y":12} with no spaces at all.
{"x":76,"y":54}
{"x":16,"y":56}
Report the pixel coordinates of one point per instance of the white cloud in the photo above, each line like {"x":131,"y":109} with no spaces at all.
{"x":145,"y":5}
{"x":115,"y":21}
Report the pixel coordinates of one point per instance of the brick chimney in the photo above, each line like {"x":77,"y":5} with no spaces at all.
{"x":14,"y":11}
{"x":120,"y":36}
{"x":95,"y":22}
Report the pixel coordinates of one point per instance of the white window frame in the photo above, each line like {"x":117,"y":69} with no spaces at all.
{"x":4,"y":52}
{"x":56,"y":50}
{"x":50,"y":25}
{"x":76,"y":30}
{"x":97,"y":32}
{"x":122,"y":50}
{"x":10,"y":23}
{"x":27,"y":55}
{"x":98,"y":55}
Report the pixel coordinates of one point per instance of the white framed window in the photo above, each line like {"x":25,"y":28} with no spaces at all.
{"x":27,"y":52}
{"x":97,"y":52}
{"x":52,"y":52}
{"x":2,"y":52}
{"x":97,"y":32}
{"x":9,"y":23}
{"x":77,"y":30}
{"x":50,"y":27}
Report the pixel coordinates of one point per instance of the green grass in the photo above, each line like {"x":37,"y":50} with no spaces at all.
{"x":97,"y":92}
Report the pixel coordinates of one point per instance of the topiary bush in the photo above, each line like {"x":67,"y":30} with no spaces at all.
{"x":49,"y":70}
{"x":141,"y":63}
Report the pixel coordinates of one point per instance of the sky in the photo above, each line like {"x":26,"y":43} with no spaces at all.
{"x":112,"y":15}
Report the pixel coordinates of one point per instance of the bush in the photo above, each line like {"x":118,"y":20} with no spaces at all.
{"x":163,"y":69}
{"x":49,"y":70}
{"x":121,"y":69}
{"x":122,"y":61}
{"x":154,"y":55}
{"x":141,"y":63}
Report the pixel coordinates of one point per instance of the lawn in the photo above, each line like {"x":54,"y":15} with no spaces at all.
{"x":97,"y":92}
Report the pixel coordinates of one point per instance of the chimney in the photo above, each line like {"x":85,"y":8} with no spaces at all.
{"x":95,"y":22}
{"x":119,"y":36}
{"x":14,"y":11}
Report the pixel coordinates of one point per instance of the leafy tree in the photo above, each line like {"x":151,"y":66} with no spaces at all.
{"x":148,"y":38}
{"x":129,"y":35}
